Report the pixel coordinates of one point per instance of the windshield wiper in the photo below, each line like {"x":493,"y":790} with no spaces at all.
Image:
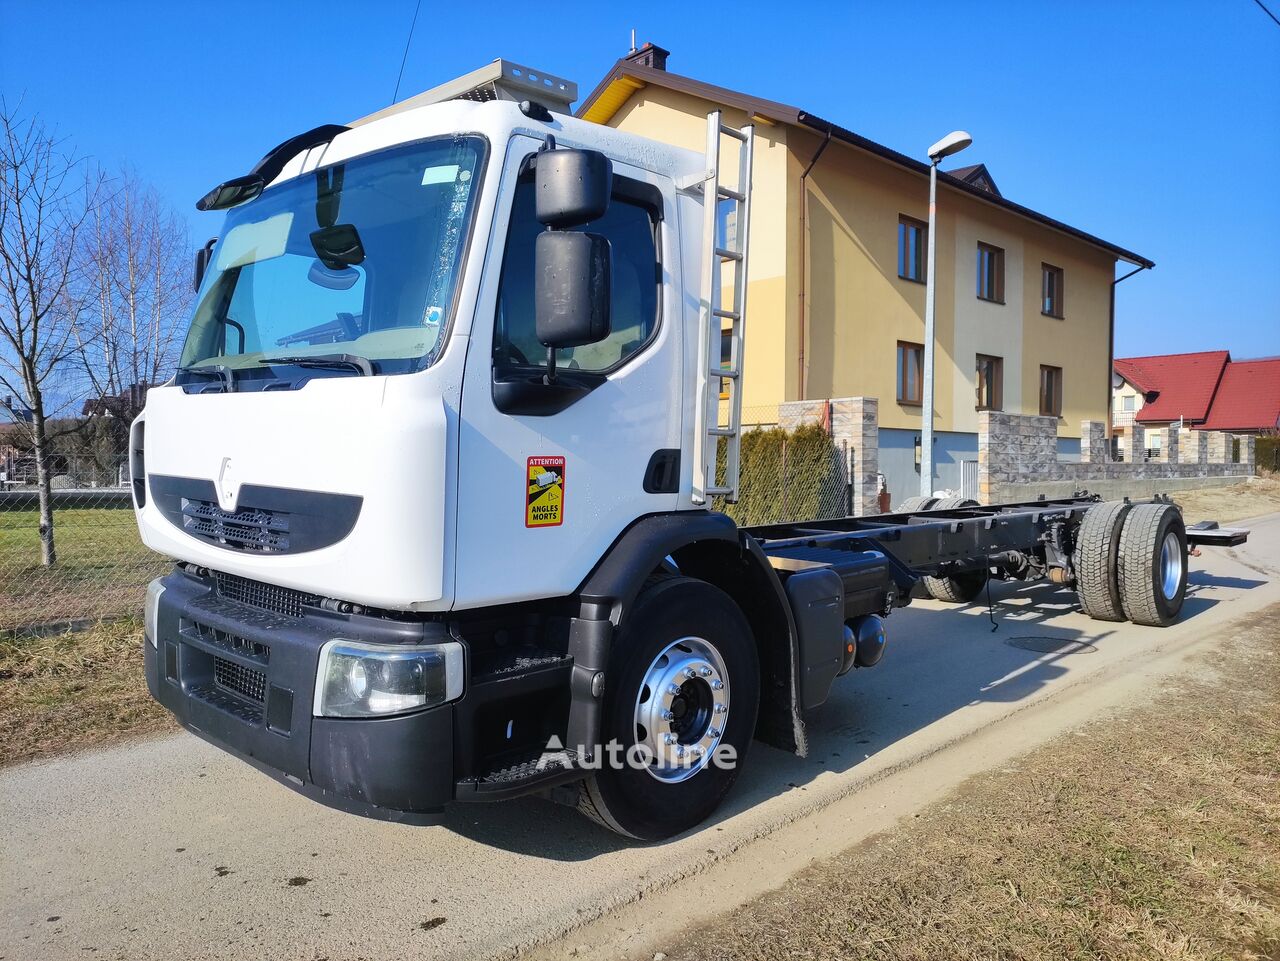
{"x":333,"y":361}
{"x":220,"y":371}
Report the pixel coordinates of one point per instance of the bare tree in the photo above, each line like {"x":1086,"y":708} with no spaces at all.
{"x":45,"y":199}
{"x":133,"y":297}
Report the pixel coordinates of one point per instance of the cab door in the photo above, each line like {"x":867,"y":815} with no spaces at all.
{"x":547,"y":484}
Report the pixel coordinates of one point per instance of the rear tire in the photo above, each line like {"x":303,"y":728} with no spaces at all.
{"x":674,"y":618}
{"x":1153,"y":564}
{"x":958,"y":588}
{"x":1096,"y":561}
{"x":916,"y":503}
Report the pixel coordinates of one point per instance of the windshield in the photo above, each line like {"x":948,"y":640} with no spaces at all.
{"x":350,"y":269}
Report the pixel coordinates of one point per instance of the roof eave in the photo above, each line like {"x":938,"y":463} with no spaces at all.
{"x":638,"y":76}
{"x":919,"y":166}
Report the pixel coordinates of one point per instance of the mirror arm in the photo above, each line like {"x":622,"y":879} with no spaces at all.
{"x":551,"y":366}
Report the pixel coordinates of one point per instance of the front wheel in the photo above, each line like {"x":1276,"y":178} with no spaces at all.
{"x":681,"y":696}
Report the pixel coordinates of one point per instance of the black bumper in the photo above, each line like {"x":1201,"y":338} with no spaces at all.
{"x":244,"y":679}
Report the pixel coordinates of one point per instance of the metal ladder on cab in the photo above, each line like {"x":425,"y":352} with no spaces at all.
{"x":720,"y":328}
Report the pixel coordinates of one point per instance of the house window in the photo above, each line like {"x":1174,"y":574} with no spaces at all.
{"x":912,"y":238}
{"x":1050,"y":391}
{"x":990,"y":273}
{"x":1129,"y":402}
{"x":1051,"y":290}
{"x":910,"y":365}
{"x":990,"y":382}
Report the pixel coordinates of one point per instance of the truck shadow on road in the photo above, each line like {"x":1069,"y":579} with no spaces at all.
{"x":1201,"y":579}
{"x":944,"y":666}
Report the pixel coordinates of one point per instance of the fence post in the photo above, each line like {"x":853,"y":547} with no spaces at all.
{"x":1093,"y":442}
{"x":848,"y":478}
{"x":1137,"y":452}
{"x":783,"y":486}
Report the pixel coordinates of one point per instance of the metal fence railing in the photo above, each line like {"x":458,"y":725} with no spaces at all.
{"x":100,"y":567}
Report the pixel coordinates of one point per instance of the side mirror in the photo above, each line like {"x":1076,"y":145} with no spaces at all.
{"x":573,"y":187}
{"x":571,"y":287}
{"x":203,"y":256}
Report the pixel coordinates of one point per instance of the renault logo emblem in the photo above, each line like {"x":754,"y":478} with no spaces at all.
{"x":228,"y":486}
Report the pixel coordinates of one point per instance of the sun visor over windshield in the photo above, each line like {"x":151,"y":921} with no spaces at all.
{"x":254,"y":242}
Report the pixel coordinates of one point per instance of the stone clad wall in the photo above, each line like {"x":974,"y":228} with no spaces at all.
{"x":1018,"y":460}
{"x":855,"y":421}
{"x":1011,"y":447}
{"x":1018,"y":455}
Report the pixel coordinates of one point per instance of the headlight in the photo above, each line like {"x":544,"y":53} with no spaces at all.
{"x":374,"y":680}
{"x":151,"y":611}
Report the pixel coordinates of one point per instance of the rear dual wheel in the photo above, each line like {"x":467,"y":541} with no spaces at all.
{"x":1097,"y":559}
{"x":917,"y":503}
{"x":1131,"y":563}
{"x":1153,"y":564}
{"x":958,"y":588}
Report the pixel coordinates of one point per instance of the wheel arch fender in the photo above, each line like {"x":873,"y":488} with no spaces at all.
{"x":743,"y":572}
{"x":711,"y":547}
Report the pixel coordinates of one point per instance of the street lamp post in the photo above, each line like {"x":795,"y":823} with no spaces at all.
{"x":952,"y":143}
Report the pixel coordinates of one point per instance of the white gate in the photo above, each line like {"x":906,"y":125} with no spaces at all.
{"x":969,"y":479}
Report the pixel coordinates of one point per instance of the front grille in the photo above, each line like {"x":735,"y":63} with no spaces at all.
{"x":250,"y":529}
{"x":267,"y":597}
{"x":240,"y":680}
{"x":232,"y":643}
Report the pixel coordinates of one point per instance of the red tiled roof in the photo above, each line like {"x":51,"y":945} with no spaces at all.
{"x":1183,"y":384}
{"x":1131,"y":372}
{"x":1248,"y":398}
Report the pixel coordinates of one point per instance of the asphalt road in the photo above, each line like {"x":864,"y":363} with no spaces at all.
{"x":170,"y":849}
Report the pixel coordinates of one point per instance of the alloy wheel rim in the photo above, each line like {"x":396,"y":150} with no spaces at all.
{"x":1171,"y":560}
{"x":682,"y":708}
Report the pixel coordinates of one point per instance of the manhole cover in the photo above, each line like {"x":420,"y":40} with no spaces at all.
{"x":1051,"y":645}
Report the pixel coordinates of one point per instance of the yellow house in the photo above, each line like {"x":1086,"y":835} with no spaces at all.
{"x":835,"y":303}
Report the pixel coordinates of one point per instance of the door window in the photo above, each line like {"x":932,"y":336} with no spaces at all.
{"x":631,"y":227}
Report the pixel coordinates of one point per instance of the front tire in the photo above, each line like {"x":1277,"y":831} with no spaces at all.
{"x":683,"y":682}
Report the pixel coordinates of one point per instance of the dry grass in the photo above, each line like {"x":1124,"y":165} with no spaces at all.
{"x":1260,"y":495}
{"x":1155,"y":834}
{"x":74,"y":690}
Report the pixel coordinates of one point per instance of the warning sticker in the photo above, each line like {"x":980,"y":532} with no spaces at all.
{"x":544,"y":506}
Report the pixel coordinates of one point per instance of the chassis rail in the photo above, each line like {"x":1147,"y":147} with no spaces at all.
{"x":945,"y":542}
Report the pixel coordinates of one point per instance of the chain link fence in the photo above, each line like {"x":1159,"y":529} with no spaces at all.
{"x":100,"y":568}
{"x":789,"y":475}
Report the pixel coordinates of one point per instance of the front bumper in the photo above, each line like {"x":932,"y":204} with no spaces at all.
{"x":243,"y":679}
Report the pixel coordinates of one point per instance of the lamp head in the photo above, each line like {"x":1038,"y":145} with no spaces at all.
{"x":952,"y":143}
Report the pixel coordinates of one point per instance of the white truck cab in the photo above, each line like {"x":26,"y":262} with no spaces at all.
{"x":437,"y":470}
{"x":441,"y":306}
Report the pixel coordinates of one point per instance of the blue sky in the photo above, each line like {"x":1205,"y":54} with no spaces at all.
{"x":1155,"y":125}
